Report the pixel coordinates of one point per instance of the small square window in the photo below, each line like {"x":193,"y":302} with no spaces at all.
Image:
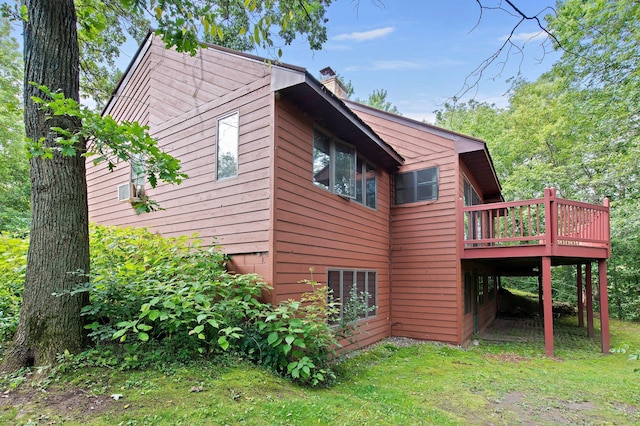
{"x":419,"y":185}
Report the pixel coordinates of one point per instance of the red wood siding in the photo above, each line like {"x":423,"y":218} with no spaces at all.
{"x":426,"y":290}
{"x":181,"y":98}
{"x":314,"y":228}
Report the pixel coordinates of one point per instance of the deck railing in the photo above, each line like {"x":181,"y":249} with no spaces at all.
{"x":549,"y":221}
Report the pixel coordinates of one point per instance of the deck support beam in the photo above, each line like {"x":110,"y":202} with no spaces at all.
{"x":589,"y":301}
{"x":548,"y":305}
{"x":604,"y":305}
{"x":580,"y":295}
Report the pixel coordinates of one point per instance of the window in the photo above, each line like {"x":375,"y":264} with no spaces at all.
{"x":337,"y":168}
{"x":353,"y":289}
{"x":471,"y":198}
{"x":492,"y":287}
{"x":419,"y":185}
{"x":138,"y":174}
{"x":227,"y":147}
{"x":366,"y":184}
{"x":481,"y":290}
{"x":468,"y":291}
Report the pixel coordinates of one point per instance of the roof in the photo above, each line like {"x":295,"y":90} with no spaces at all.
{"x":307,"y":93}
{"x":331,"y":112}
{"x":472,"y":151}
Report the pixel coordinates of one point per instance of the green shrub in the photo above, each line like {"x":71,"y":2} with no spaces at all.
{"x":171,"y":290}
{"x":295,"y":338}
{"x":13,"y":261}
{"x":154,"y":301}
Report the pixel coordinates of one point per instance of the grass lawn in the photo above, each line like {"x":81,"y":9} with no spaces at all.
{"x":393,"y":383}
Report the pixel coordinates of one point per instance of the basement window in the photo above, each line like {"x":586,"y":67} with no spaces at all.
{"x":418,"y":185}
{"x":356,"y":291}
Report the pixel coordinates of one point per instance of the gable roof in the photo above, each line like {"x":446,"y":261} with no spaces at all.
{"x":472,"y":151}
{"x":308,"y":94}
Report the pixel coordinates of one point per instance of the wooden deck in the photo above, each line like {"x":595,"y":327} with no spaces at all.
{"x":551,"y":226}
{"x":529,"y":237}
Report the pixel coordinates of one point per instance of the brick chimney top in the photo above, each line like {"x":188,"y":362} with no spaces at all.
{"x":333,"y":83}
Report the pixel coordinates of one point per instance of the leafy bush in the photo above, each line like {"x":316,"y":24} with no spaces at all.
{"x":295,"y":338}
{"x":154,"y":301}
{"x":13,"y":261}
{"x":170,"y":291}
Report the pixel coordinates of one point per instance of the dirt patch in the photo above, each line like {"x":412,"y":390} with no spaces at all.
{"x":66,"y":404}
{"x":545,"y":411}
{"x":507,"y":357}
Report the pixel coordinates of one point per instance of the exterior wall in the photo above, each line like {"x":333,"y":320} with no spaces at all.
{"x":425,"y":265}
{"x":314,"y":228}
{"x":181,"y":98}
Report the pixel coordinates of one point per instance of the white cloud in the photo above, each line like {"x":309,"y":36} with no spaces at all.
{"x":365,"y":35}
{"x":526,"y":37}
{"x":429,"y":117}
{"x":397,"y":65}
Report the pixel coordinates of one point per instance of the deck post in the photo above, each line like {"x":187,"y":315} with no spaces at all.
{"x":604,"y":305}
{"x":589,"y":301}
{"x":580,"y":295}
{"x":548,"y":305}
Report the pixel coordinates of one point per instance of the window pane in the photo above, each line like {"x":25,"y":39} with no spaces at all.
{"x":361,"y":282}
{"x":359,"y":181}
{"x":372,"y":289}
{"x":137,"y":169}
{"x":405,"y":191}
{"x":321,"y":159}
{"x":345,"y":171}
{"x":227,"y":147}
{"x":468,"y":286}
{"x":371,"y":187}
{"x":333,"y":281}
{"x":427,"y":184}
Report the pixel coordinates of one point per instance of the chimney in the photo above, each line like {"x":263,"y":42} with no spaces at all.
{"x":332,"y":82}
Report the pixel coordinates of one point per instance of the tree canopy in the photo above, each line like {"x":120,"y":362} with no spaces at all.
{"x":576,"y":128}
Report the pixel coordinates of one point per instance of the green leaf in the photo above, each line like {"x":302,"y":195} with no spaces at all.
{"x":143,"y":336}
{"x":272,"y":338}
{"x":223,"y":342}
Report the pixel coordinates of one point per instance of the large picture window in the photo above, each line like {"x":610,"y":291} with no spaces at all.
{"x":418,"y":185}
{"x":337,"y":168}
{"x":351,"y":288}
{"x":227,"y":147}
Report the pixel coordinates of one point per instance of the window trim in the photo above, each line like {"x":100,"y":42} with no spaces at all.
{"x":237,"y":153}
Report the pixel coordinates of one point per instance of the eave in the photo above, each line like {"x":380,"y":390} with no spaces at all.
{"x":331,"y":113}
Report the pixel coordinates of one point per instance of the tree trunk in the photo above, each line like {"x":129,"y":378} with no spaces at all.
{"x":59,"y":247}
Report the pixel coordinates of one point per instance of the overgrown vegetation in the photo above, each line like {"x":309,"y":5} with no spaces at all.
{"x":157,"y":301}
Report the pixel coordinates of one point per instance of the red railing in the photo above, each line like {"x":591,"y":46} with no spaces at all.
{"x":550,"y":221}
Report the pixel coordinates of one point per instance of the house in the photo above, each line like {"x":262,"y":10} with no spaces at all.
{"x":294,"y":183}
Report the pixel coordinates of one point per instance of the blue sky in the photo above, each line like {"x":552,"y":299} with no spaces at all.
{"x":421,"y":52}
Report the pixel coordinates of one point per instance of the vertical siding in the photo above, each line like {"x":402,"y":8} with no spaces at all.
{"x":314,"y":228}
{"x":425,"y":267}
{"x":181,"y":99}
